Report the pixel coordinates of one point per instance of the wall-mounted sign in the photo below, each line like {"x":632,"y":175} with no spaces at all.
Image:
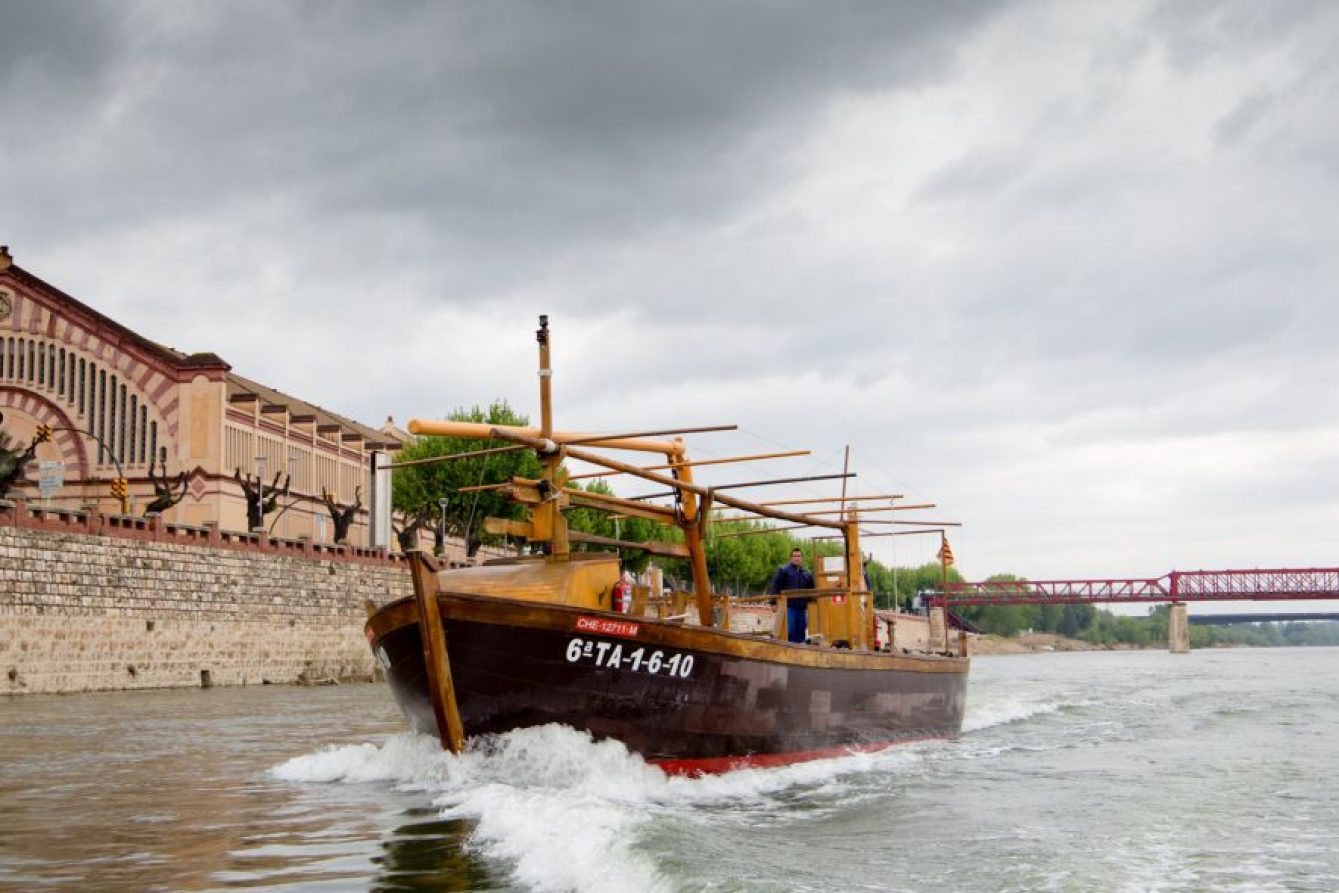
{"x":50,"y":477}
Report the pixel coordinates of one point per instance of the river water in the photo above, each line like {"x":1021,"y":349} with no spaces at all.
{"x":1130,"y":771}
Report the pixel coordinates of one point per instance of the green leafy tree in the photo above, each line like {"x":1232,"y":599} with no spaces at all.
{"x":881,"y":584}
{"x":1003,"y":620}
{"x":420,"y":487}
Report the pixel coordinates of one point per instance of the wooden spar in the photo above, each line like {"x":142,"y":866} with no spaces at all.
{"x":451,"y":457}
{"x":915,"y":523}
{"x":696,"y":463}
{"x":864,"y":534}
{"x":433,"y":633}
{"x":689,"y":487}
{"x":483,"y":431}
{"x":831,"y":499}
{"x":686,"y":486}
{"x":766,"y":483}
{"x":659,"y":514}
{"x":850,"y":511}
{"x":607,"y":473}
{"x":526,"y":491}
{"x":599,"y":439}
{"x":759,"y":530}
{"x":667,"y":550}
{"x":484,"y":487}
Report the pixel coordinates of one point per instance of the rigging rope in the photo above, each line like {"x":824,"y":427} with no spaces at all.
{"x":474,"y":503}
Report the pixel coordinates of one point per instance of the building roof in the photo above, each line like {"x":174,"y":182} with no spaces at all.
{"x":239,"y":387}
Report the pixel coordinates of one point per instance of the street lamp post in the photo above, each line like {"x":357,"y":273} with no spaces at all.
{"x":441,"y":503}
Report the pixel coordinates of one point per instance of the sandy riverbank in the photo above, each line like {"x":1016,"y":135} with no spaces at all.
{"x":1033,"y":643}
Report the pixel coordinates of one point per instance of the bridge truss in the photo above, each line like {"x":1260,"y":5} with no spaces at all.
{"x":1279,"y":584}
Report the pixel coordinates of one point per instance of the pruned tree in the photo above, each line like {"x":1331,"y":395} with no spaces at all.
{"x":408,"y":534}
{"x":343,"y":517}
{"x":164,"y":497}
{"x":259,"y":503}
{"x":13,"y":460}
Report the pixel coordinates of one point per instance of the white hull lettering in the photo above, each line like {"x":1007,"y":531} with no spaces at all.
{"x":609,"y":655}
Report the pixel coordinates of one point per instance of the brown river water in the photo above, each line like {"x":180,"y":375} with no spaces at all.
{"x":1141,"y":771}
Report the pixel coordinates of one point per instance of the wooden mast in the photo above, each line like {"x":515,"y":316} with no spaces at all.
{"x":694,"y":520}
{"x":549,"y":523}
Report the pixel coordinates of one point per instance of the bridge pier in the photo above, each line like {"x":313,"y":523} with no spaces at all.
{"x":1178,"y":629}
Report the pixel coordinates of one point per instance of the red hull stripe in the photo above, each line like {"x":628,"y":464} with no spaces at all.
{"x":717,"y":765}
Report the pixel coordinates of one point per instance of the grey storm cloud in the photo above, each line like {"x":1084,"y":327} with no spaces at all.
{"x":510,"y":131}
{"x":1071,"y":261}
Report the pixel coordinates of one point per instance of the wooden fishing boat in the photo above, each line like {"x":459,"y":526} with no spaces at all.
{"x":534,"y":640}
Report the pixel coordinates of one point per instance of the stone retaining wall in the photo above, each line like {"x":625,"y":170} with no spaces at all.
{"x":149,"y":607}
{"x":93,"y":602}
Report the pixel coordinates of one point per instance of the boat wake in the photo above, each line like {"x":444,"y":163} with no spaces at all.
{"x":559,"y":811}
{"x":1009,"y":709}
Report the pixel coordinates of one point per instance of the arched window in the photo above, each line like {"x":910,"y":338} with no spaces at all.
{"x":121,"y":426}
{"x":102,"y":415}
{"x":134,"y":422}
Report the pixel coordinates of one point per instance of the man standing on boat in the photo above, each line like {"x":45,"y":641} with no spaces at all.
{"x":794,"y":575}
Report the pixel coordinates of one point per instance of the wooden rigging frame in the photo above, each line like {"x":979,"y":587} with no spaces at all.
{"x":548,"y":496}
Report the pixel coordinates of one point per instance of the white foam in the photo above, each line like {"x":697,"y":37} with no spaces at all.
{"x":564,"y":812}
{"x":413,"y":759}
{"x":1003,"y":710}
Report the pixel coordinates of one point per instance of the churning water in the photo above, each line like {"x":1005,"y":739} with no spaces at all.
{"x":1087,"y":772}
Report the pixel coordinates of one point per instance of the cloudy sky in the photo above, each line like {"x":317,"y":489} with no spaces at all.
{"x":1065,"y":269}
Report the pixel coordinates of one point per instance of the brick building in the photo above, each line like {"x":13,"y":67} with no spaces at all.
{"x":117,"y":401}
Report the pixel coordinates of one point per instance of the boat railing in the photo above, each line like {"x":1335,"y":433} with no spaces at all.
{"x":794,"y":593}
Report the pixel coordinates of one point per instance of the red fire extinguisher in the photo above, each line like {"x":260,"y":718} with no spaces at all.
{"x":620,"y":596}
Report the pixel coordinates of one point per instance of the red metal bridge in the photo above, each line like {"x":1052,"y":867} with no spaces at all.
{"x":1280,"y":584}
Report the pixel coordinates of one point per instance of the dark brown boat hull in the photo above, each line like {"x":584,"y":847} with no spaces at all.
{"x":687,"y":698}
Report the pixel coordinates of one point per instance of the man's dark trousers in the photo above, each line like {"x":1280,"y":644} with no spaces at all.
{"x":797,"y":619}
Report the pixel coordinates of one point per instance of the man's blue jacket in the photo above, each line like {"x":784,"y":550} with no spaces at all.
{"x":788,"y":576}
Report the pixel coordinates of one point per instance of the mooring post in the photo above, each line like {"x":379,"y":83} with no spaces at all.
{"x":1178,"y":629}
{"x":939,"y":627}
